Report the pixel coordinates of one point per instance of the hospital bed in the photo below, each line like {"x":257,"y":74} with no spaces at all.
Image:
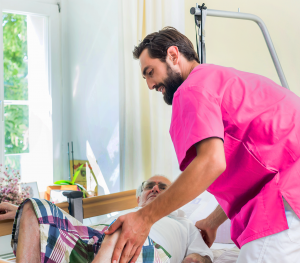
{"x":200,"y":12}
{"x":90,"y":207}
{"x":106,"y":204}
{"x":102,"y":205}
{"x":94,"y":206}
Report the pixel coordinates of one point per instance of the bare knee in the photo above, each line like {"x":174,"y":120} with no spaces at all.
{"x":28,"y":207}
{"x":28,"y":249}
{"x":28,"y":210}
{"x":28,"y":214}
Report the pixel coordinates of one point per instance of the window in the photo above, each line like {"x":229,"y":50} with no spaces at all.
{"x":31,"y":75}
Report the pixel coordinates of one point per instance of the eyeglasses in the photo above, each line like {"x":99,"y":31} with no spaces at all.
{"x":149,"y":185}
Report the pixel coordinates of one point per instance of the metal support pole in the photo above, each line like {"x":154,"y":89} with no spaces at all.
{"x":200,"y":22}
{"x":201,"y":30}
{"x":263,"y":28}
{"x":75,"y":204}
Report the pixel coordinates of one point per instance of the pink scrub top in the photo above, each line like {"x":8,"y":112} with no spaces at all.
{"x":259,"y":122}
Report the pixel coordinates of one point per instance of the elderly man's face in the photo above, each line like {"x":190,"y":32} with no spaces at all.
{"x":159,"y":184}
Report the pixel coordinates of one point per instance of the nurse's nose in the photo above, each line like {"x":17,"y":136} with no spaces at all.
{"x":151,"y":84}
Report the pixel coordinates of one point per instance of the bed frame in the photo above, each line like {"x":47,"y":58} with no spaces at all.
{"x":200,"y":13}
{"x":93,"y":206}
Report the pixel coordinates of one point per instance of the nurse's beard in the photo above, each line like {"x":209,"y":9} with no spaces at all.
{"x":171,"y":84}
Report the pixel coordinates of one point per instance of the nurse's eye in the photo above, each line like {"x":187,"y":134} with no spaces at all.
{"x":150,"y":73}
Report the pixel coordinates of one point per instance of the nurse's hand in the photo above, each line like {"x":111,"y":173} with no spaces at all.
{"x":207,"y":231}
{"x":135,"y":230}
{"x":7,"y":211}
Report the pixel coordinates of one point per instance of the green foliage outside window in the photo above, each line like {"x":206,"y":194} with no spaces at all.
{"x":16,"y":129}
{"x":15,"y":62}
{"x":15,"y":56}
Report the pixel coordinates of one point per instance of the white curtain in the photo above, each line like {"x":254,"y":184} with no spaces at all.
{"x":146,"y":146}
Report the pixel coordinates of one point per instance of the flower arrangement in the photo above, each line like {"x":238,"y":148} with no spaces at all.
{"x":10,"y":188}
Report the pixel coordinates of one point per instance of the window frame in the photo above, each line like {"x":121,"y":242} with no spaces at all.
{"x":54,"y":73}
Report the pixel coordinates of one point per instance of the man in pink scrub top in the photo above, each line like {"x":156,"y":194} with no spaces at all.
{"x":236,"y":135}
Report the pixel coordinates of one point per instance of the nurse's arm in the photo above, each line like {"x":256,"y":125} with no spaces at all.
{"x":205,"y":168}
{"x":209,"y":225}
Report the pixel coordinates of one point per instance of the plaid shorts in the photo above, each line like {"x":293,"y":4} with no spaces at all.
{"x":65,"y":239}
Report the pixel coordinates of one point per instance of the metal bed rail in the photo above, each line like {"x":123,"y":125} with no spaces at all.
{"x":197,"y":11}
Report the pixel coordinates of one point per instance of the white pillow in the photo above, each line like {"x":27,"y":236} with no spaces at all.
{"x":196,"y":210}
{"x":200,"y":208}
{"x":223,"y":233}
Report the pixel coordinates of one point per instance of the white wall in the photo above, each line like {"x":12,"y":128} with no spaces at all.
{"x":91,"y":83}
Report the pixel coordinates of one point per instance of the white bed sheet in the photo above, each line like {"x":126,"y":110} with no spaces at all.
{"x":226,"y":255}
{"x":222,"y":246}
{"x":223,"y":253}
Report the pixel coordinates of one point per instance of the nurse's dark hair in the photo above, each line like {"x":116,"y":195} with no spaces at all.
{"x":158,"y":43}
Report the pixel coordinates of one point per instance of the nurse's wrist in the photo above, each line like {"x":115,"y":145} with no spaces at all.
{"x":147,"y":215}
{"x":216,"y":218}
{"x":211,"y":224}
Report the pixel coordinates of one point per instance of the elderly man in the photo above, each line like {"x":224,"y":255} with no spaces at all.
{"x":57,"y":237}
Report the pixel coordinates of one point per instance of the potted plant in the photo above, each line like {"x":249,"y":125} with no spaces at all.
{"x":67,"y":182}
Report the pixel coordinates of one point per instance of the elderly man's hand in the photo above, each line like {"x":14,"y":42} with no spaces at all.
{"x":208,"y":232}
{"x":7,"y":211}
{"x":135,"y":230}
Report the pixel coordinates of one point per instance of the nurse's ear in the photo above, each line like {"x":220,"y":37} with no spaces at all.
{"x":173,"y":55}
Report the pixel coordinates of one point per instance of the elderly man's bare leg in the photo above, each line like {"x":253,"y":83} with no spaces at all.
{"x":105,"y":252}
{"x":28,"y":249}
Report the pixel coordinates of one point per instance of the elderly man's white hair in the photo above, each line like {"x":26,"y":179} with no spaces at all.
{"x":139,"y":190}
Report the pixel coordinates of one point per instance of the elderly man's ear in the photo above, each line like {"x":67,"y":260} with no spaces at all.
{"x":138,"y":199}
